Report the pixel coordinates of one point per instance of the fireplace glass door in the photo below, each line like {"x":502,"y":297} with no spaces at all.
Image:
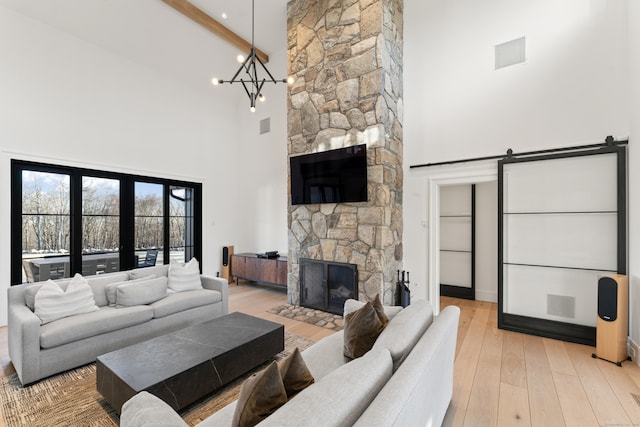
{"x":326,"y":285}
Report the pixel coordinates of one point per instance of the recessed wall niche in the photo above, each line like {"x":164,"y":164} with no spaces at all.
{"x":346,"y":58}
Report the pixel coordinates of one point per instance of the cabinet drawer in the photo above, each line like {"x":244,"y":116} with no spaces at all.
{"x":283,"y":274}
{"x":238,"y":266}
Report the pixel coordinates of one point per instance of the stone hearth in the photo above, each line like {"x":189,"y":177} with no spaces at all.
{"x":346,"y":57}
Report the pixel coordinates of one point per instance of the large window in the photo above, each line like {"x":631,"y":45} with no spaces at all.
{"x":100,"y":225}
{"x":46,"y":222}
{"x":149,"y":221}
{"x":71,"y":220}
{"x":182,"y":218}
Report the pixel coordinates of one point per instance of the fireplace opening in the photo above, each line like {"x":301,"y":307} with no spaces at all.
{"x":326,"y":285}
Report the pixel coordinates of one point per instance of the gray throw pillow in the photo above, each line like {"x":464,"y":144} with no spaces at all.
{"x":141,"y":292}
{"x":112,"y":288}
{"x":140,"y":273}
{"x":99,"y":283}
{"x":30,"y":292}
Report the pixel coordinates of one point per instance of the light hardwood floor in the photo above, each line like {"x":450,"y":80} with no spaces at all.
{"x":509,"y":379}
{"x":501,"y":378}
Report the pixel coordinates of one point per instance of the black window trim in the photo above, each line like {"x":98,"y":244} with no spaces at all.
{"x":127,"y":184}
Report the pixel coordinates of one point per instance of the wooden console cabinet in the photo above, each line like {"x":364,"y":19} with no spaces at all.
{"x":250,"y":267}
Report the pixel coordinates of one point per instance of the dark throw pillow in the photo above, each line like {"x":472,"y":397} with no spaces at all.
{"x":295,"y":373}
{"x":377,"y":305}
{"x":260,"y":396}
{"x":361,"y":329}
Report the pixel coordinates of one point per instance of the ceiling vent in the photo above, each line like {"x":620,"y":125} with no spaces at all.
{"x":510,"y":53}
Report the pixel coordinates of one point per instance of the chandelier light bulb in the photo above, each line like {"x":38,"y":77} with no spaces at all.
{"x":261,"y":97}
{"x":253,"y":109}
{"x":215,"y":81}
{"x":290,"y":80}
{"x":240,"y":59}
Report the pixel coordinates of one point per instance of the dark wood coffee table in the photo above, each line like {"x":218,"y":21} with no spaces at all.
{"x":184,"y":366}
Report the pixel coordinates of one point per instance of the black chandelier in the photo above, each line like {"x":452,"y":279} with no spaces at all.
{"x":253,"y":86}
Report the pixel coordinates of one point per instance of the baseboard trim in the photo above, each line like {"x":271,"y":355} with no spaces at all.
{"x":457,"y":292}
{"x":488,"y":296}
{"x":635,"y":349}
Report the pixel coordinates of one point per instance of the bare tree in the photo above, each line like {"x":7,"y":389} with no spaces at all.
{"x":46,"y":220}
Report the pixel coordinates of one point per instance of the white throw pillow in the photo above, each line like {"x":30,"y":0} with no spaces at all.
{"x":185,"y":278}
{"x":52,"y":303}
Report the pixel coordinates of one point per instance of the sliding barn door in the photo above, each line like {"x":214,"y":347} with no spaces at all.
{"x":562,"y":225}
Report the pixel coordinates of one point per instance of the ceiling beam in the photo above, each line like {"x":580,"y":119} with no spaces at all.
{"x":199,"y":16}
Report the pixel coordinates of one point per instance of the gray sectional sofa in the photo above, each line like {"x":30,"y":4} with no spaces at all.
{"x":406,"y":379}
{"x":40,"y":350}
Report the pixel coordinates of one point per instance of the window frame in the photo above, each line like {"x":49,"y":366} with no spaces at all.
{"x":127,"y":212}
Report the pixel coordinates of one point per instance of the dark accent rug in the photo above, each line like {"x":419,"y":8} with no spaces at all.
{"x":71,"y":398}
{"x":309,"y":315}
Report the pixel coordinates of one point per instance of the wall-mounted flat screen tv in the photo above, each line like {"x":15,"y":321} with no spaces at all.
{"x":334,"y":176}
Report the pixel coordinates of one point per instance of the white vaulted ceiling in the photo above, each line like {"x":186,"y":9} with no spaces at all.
{"x":152,"y":33}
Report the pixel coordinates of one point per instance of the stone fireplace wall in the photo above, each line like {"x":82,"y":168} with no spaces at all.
{"x":346,"y":58}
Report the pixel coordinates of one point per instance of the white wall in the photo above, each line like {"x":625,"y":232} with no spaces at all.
{"x":261,"y":168}
{"x":487,"y":241}
{"x":68,"y":102}
{"x":634,"y":173}
{"x":573,"y":89}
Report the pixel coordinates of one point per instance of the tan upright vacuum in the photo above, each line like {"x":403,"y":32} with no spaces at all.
{"x":613,"y":318}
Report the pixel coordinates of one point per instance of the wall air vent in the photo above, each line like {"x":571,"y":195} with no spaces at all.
{"x":265,"y":125}
{"x":561,"y":305}
{"x":510,"y":53}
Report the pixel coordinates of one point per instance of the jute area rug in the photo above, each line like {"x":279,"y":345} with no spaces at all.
{"x":71,"y":398}
{"x":309,"y":315}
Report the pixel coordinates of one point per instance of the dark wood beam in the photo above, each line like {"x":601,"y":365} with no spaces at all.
{"x":199,"y":16}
